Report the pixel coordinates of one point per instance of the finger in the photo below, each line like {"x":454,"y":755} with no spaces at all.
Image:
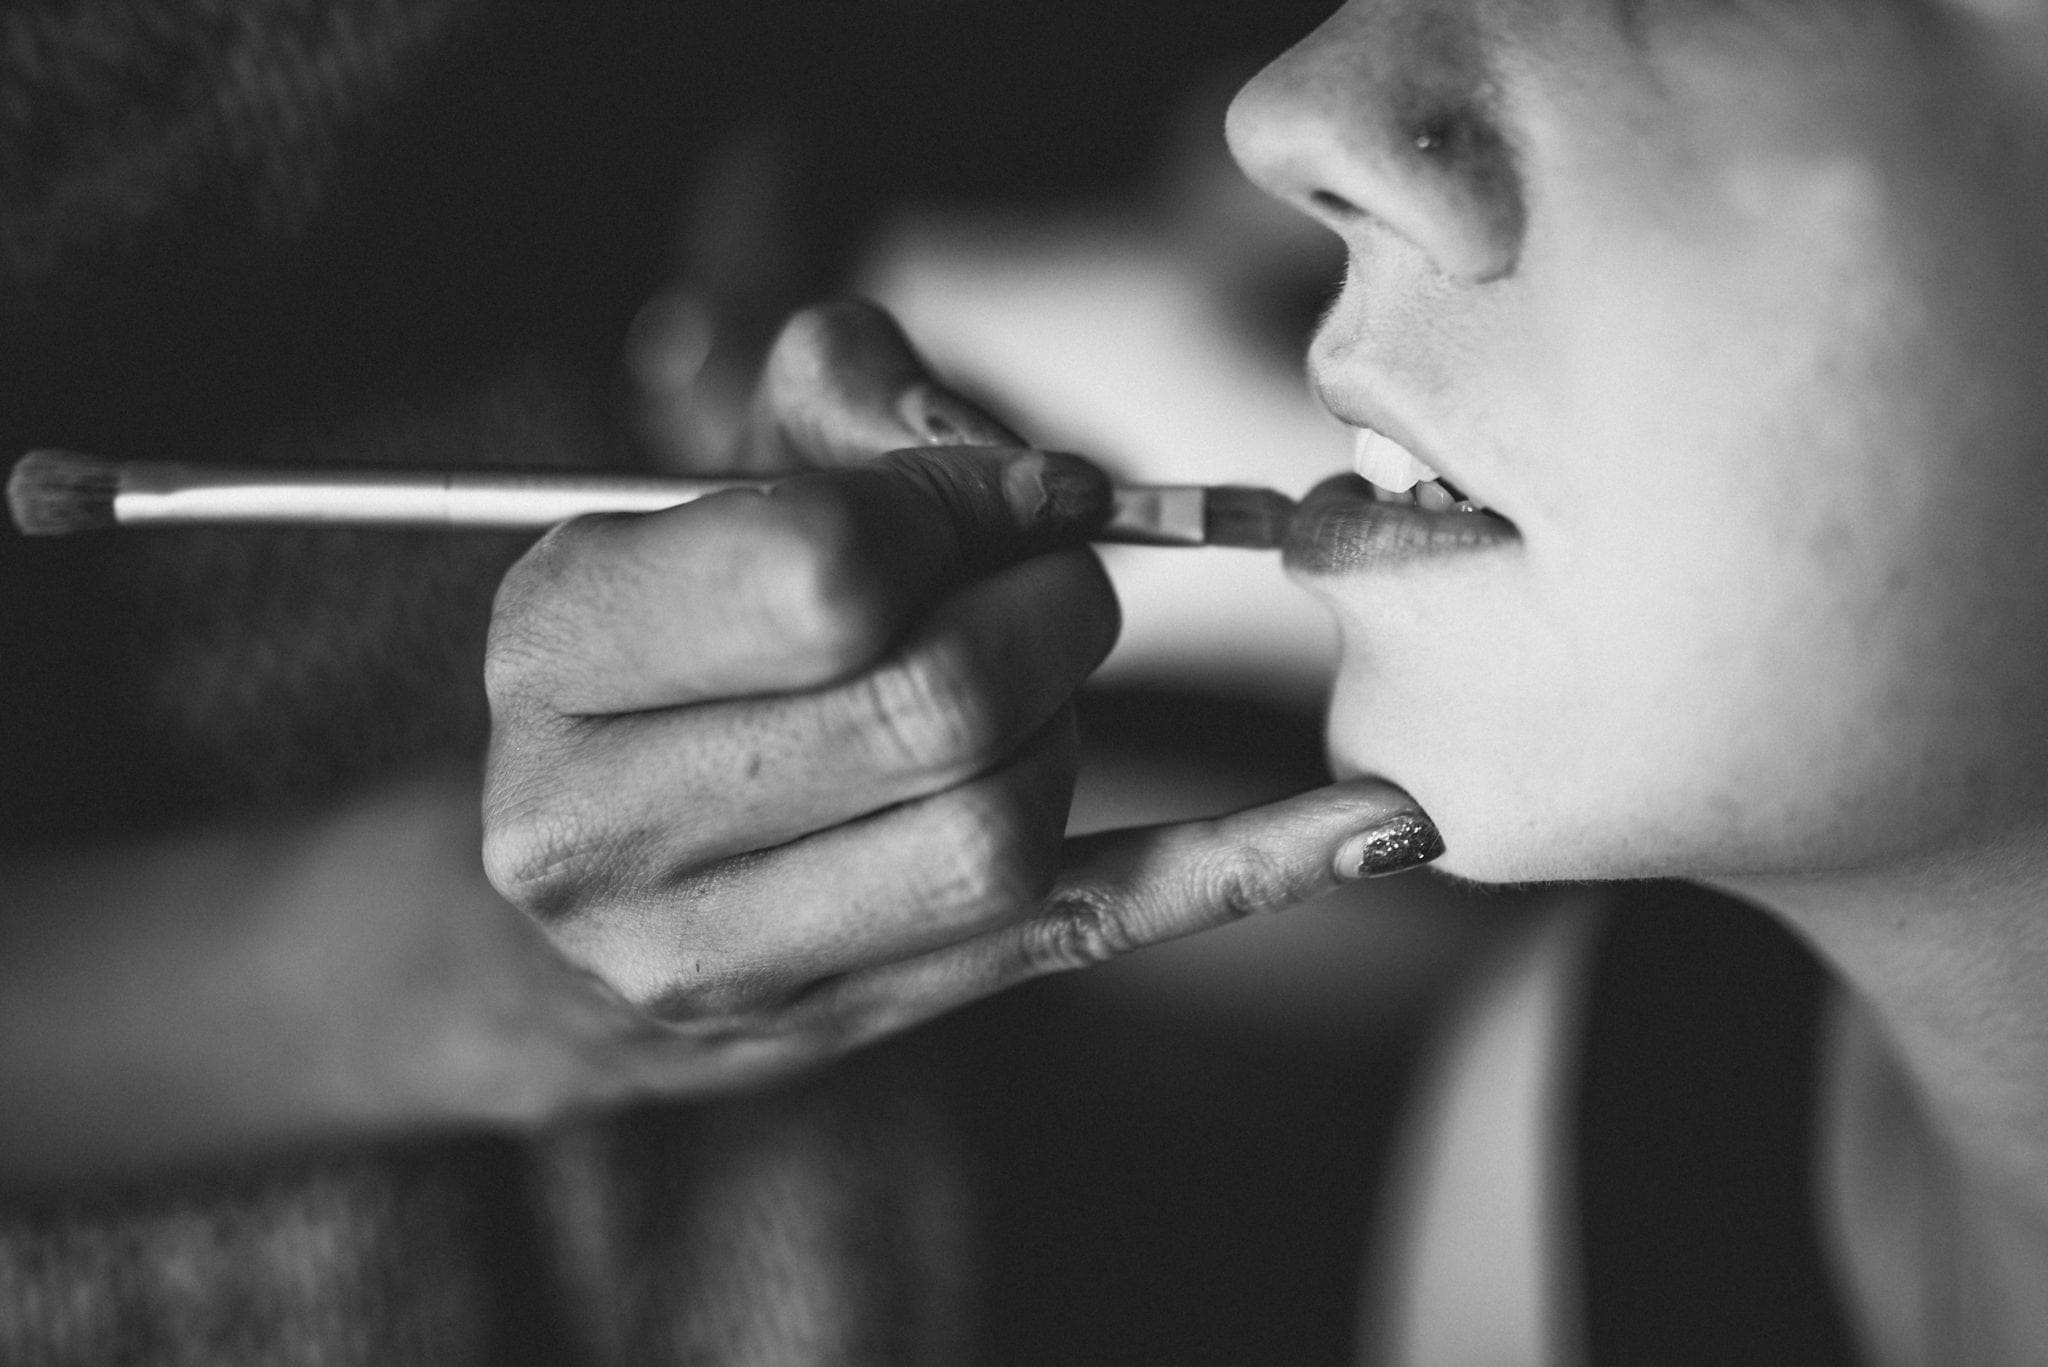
{"x":604,"y":810}
{"x":754,"y":592}
{"x":842,"y":385}
{"x":1123,"y":890}
{"x":746,"y":935}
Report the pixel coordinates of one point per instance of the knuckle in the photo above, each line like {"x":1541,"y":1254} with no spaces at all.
{"x":1079,"y":929}
{"x":1250,"y":882}
{"x":980,"y":862}
{"x":927,"y":714}
{"x":520,"y":666}
{"x":514,"y":654}
{"x":542,"y":859}
{"x":718,"y":995}
{"x":540,"y":597}
{"x":810,"y":588}
{"x":510,"y":667}
{"x":655,"y":943}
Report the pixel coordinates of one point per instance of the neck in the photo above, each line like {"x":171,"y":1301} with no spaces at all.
{"x":1936,"y":1127}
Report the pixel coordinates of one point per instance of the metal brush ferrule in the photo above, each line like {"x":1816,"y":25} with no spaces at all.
{"x":1158,"y":515}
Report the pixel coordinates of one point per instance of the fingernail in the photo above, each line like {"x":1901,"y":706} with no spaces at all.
{"x":1052,"y":489}
{"x":942,"y":419}
{"x":1404,"y":841}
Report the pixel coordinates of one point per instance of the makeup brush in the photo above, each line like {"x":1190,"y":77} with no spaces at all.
{"x":54,"y":493}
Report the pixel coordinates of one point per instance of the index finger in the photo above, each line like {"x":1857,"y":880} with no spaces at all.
{"x":1123,"y":890}
{"x":751,"y":591}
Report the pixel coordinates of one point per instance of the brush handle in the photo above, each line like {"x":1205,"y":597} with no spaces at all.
{"x":157,"y":493}
{"x":152,"y":492}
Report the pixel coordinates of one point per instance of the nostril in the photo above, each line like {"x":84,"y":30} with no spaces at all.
{"x":1403,"y":135}
{"x":1333,"y":204}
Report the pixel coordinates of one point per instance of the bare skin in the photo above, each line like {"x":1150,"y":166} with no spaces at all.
{"x":1736,"y":312}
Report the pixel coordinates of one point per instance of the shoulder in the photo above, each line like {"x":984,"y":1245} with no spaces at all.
{"x":1611,"y":1158}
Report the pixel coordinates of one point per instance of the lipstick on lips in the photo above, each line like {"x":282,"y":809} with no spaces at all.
{"x":1393,"y":509}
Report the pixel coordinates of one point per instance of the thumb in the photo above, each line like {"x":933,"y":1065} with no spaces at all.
{"x":842,"y":385}
{"x":1123,"y":890}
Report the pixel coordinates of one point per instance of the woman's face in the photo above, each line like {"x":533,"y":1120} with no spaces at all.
{"x":1736,"y":311}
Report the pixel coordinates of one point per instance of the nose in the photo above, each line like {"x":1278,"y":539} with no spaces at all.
{"x":1383,"y":118}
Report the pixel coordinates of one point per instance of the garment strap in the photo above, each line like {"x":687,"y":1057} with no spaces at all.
{"x":1695,"y":1147}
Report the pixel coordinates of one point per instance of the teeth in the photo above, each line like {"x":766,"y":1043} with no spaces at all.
{"x":1432,"y":497}
{"x":1386,"y":463}
{"x":1398,"y":477}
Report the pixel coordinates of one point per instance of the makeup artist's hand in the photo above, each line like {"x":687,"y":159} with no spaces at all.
{"x":790,"y":771}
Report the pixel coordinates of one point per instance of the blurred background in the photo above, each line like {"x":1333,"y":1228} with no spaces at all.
{"x":580,"y":226}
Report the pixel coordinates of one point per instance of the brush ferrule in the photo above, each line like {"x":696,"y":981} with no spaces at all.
{"x":1157,"y":515}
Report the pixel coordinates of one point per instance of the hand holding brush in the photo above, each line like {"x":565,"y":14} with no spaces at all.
{"x":788,"y":769}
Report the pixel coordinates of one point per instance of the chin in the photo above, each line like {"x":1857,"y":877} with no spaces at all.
{"x":1503,"y":824}
{"x":1485,"y":844}
{"x":1486,"y":839}
{"x":1500,"y":848}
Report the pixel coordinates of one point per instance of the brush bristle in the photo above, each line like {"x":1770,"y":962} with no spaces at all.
{"x":1255,"y":519}
{"x":54,"y":493}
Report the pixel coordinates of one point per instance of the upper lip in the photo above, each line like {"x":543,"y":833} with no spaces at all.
{"x":1356,"y":410}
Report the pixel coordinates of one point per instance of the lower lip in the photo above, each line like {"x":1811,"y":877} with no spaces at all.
{"x":1340,"y":529}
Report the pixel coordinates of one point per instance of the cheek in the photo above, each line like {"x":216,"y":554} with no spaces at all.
{"x":1776,"y":602}
{"x":1702,"y":659}
{"x":1765,"y":677}
{"x":1470,"y":691}
{"x":1610,"y":735}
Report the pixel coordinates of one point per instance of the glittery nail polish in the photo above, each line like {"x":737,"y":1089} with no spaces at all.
{"x":1403,"y":841}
